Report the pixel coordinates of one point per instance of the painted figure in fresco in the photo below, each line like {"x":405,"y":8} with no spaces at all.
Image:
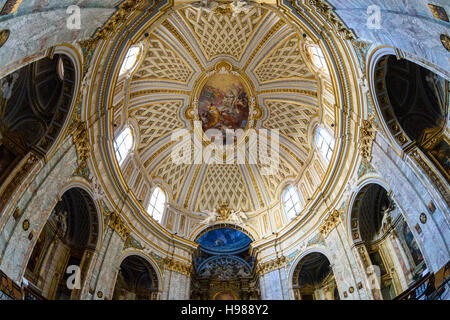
{"x":412,"y":245}
{"x":223,"y":104}
{"x":213,"y":116}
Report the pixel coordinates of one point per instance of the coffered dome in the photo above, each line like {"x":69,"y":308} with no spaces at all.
{"x":252,"y":71}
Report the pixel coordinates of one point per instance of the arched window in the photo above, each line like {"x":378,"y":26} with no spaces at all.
{"x":291,"y":201}
{"x":318,"y":58}
{"x":130,"y":59}
{"x":123,"y":144}
{"x":325,"y":143}
{"x":156,"y":205}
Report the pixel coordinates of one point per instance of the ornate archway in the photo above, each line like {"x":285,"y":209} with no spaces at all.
{"x":389,"y":253}
{"x":223,"y":266}
{"x":34,"y":105}
{"x":313,"y":279}
{"x":136,"y":280}
{"x":60,"y":260}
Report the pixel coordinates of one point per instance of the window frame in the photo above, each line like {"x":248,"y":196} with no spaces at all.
{"x":295,"y":206}
{"x":152,"y":207}
{"x":318,"y":58}
{"x":325,"y":140}
{"x":130,"y":55}
{"x":122,"y":154}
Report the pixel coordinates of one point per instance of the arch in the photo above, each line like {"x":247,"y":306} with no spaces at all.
{"x":378,"y":65}
{"x":374,"y":227}
{"x":36,"y":107}
{"x":130,"y":252}
{"x":223,"y":255}
{"x":199,"y":232}
{"x":146,"y":259}
{"x":302,"y":254}
{"x":351,"y":208}
{"x":315,"y":267}
{"x":69,"y":238}
{"x":75,"y":56}
{"x":81,"y":183}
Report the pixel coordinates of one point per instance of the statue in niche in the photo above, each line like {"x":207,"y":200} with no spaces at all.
{"x":387,"y":219}
{"x":61,"y":220}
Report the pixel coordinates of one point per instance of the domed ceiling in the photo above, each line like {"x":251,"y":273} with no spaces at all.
{"x":225,"y":70}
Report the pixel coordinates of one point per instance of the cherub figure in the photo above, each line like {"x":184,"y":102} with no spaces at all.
{"x":211,"y":219}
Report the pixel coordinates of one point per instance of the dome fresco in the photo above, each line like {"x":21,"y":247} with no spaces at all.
{"x":223,"y":104}
{"x":224,"y":241}
{"x":226,"y":149}
{"x":274,"y":90}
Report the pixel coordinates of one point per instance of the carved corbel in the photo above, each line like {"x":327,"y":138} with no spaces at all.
{"x":367,"y":135}
{"x":330,"y":222}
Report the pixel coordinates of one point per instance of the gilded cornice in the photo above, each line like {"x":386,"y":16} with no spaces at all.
{"x":178,"y":266}
{"x":120,"y":16}
{"x":332,"y":18}
{"x":271,"y":265}
{"x":329,"y":223}
{"x":81,"y":140}
{"x":366,"y":137}
{"x":117,"y":223}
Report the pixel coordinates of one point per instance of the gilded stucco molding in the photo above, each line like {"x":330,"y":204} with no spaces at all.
{"x":366,"y":137}
{"x":178,"y":266}
{"x":418,"y":157}
{"x":332,"y":18}
{"x":117,"y":223}
{"x":330,"y":222}
{"x":81,"y":140}
{"x":4,"y":36}
{"x":125,"y":9}
{"x":271,"y":265}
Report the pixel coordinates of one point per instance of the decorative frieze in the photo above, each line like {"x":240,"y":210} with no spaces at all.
{"x":332,"y":18}
{"x":81,"y":140}
{"x":178,"y":266}
{"x":367,"y":135}
{"x":418,"y":158}
{"x":329,"y":223}
{"x":271,"y":265}
{"x":116,"y":222}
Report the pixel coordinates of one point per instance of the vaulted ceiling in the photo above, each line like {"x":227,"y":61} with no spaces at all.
{"x":266,"y":51}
